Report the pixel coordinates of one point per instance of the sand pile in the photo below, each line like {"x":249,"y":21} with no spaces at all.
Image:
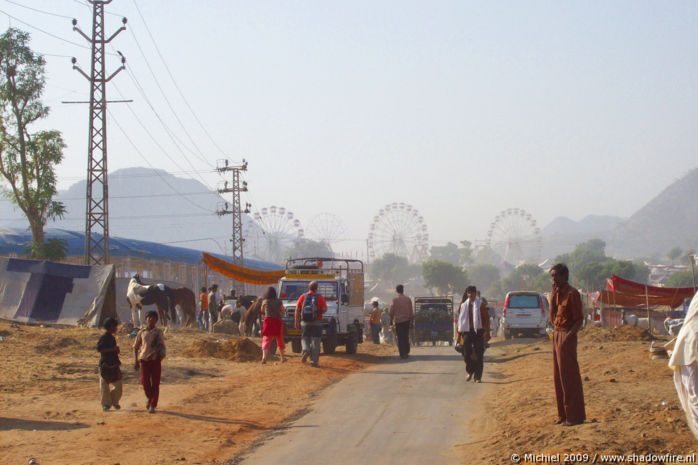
{"x":56,"y":344}
{"x":238,"y":350}
{"x":609,"y":334}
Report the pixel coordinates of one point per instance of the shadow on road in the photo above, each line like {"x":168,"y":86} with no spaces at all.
{"x":7,"y":424}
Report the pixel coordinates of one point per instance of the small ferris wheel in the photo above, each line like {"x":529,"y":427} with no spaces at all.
{"x":514,"y":235}
{"x":272,"y":233}
{"x":398,"y":228}
{"x":326,"y":228}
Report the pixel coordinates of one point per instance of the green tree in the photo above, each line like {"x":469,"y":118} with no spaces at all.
{"x":680,"y":279}
{"x":393,"y":269}
{"x":483,"y":275}
{"x":448,"y":253}
{"x":27,"y":159}
{"x":445,"y":277}
{"x":309,"y":248}
{"x":674,"y":253}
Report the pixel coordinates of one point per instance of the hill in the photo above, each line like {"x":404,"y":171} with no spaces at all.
{"x":668,"y":220}
{"x":143,"y":205}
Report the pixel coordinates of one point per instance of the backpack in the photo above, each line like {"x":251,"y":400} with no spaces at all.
{"x":309,"y":312}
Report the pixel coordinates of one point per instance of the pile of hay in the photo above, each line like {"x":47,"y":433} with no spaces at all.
{"x":610,"y":334}
{"x":237,"y":350}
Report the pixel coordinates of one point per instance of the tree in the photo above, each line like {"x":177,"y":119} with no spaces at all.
{"x":393,"y":269}
{"x":483,"y":275}
{"x":443,"y":276}
{"x":309,"y":248}
{"x":674,"y":253}
{"x":27,"y":160}
{"x":448,"y":253}
{"x":680,"y":279}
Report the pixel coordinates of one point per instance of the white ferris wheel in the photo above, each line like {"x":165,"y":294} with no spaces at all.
{"x":515,"y":236}
{"x":272,"y":233}
{"x":326,"y":228}
{"x":398,"y":228}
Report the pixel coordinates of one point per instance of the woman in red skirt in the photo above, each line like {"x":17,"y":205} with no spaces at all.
{"x":273,"y":310}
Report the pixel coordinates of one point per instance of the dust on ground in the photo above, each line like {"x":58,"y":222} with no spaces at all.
{"x":216,"y":399}
{"x":631,"y":402}
{"x":215,"y":406}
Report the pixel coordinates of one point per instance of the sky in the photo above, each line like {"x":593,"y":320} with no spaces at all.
{"x":459,"y":109}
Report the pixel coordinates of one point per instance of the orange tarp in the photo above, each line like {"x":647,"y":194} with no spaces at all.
{"x":636,"y":300}
{"x":625,"y":293}
{"x":241,"y":273}
{"x":618,"y":284}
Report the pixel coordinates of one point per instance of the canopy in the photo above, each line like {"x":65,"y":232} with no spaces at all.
{"x":625,"y":293}
{"x":241,"y":273}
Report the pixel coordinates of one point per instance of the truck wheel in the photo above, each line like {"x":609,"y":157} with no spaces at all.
{"x":352,"y":343}
{"x":296,"y":346}
{"x":330,"y":343}
{"x":507,"y":334}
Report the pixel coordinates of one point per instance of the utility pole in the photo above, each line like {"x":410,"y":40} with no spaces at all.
{"x":235,"y":209}
{"x":97,"y":205}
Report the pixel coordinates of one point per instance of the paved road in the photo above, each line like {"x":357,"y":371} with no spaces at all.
{"x":403,"y":412}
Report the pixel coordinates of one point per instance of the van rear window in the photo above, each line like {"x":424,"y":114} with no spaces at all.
{"x":524,"y":301}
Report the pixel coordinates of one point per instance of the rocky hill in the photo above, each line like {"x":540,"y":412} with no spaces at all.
{"x":149,"y":205}
{"x":669,"y":220}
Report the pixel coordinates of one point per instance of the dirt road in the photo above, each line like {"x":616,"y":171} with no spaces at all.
{"x":407,"y":412}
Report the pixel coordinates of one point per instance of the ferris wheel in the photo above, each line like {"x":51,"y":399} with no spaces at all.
{"x":326,"y":228}
{"x":272,"y":233}
{"x":515,"y":236}
{"x":398,"y":228}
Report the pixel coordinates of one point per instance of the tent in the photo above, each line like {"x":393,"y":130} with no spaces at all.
{"x":625,"y":293}
{"x":34,"y":291}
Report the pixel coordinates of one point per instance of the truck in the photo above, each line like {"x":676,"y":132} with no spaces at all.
{"x":433,"y":319}
{"x":341,"y":283}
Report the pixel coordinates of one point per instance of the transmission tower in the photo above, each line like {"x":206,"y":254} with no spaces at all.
{"x":235,"y":188}
{"x":97,"y":206}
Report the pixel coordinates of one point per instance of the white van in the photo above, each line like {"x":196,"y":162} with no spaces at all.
{"x":524,"y":313}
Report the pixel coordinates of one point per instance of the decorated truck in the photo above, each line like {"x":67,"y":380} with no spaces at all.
{"x":341,"y":283}
{"x":433,"y":319}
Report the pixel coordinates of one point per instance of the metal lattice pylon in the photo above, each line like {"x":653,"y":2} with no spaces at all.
{"x":97,"y":205}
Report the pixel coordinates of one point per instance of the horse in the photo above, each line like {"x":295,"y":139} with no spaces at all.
{"x":139,"y":294}
{"x":251,"y":318}
{"x":184,"y":298}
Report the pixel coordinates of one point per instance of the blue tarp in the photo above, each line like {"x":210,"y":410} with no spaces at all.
{"x":16,"y":240}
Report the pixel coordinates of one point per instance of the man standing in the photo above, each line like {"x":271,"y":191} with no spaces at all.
{"x":474,"y":328}
{"x":401,"y":314}
{"x":308,"y":316}
{"x":375,"y":322}
{"x":567,"y":318}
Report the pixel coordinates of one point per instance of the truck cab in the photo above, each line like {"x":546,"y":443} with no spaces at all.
{"x":341,"y":283}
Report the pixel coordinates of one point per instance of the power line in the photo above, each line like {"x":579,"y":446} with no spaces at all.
{"x":144,"y":196}
{"x":149,"y":164}
{"x":181,"y":94}
{"x":46,"y":32}
{"x":169,"y":104}
{"x":165,"y":152}
{"x":38,"y":10}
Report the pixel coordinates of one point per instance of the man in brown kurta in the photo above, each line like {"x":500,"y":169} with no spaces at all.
{"x":566,"y":316}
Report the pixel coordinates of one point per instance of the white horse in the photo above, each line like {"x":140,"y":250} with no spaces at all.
{"x":134,"y":295}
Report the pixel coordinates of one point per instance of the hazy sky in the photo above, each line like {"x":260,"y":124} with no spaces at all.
{"x":460,"y":109}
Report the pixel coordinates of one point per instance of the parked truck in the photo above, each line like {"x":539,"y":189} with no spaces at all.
{"x":341,"y":283}
{"x":433,"y":319}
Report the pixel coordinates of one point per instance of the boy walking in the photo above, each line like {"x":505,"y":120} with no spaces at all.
{"x":110,"y":385}
{"x":149,"y":350}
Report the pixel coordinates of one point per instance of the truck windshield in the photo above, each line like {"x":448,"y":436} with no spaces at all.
{"x":293,"y":290}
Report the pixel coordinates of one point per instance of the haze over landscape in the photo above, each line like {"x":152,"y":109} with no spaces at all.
{"x":579,"y":111}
